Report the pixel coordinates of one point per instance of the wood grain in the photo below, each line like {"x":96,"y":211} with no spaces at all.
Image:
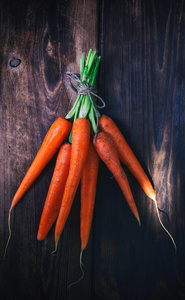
{"x":48,"y":38}
{"x":142,"y":49}
{"x":141,"y":79}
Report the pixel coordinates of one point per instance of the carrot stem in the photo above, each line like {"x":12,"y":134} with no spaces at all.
{"x":84,"y":106}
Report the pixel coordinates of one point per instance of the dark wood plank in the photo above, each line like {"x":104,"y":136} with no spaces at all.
{"x":48,"y":37}
{"x":142,"y":81}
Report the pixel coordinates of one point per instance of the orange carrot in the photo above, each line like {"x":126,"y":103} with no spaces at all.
{"x":107,"y":152}
{"x":57,"y":133}
{"x":88,"y":193}
{"x":126,"y":155}
{"x":79,"y":150}
{"x":55,"y":192}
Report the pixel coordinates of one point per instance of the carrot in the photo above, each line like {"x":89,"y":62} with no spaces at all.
{"x":126,"y":155}
{"x":79,"y":150}
{"x":57,"y":133}
{"x":108,"y":153}
{"x":88,"y":193}
{"x":55,"y":192}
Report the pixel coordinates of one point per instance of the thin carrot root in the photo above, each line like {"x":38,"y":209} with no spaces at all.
{"x":81,"y":267}
{"x":139,"y":221}
{"x":10,"y":231}
{"x":160,"y":221}
{"x":54,"y":252}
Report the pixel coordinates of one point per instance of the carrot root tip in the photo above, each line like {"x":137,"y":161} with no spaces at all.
{"x":54,"y":252}
{"x":81,"y":263}
{"x":10,"y":231}
{"x":81,"y":267}
{"x":139,"y":222}
{"x":39,"y":237}
{"x":160,"y":221}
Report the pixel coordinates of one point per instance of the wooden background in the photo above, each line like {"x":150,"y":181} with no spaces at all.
{"x":142,"y":81}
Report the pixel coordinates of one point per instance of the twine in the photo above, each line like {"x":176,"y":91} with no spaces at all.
{"x":84,"y":89}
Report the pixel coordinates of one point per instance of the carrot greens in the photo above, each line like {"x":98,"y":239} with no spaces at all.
{"x":85,"y":104}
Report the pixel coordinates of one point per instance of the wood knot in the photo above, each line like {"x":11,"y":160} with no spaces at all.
{"x":15,"y":62}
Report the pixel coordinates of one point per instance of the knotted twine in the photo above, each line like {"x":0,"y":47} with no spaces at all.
{"x":84,"y":89}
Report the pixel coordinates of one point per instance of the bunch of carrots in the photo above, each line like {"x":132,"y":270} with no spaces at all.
{"x":90,"y":137}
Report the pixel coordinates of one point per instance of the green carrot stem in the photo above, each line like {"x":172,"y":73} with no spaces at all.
{"x":75,"y":106}
{"x":82,"y":64}
{"x":95,"y":71}
{"x":84,"y":107}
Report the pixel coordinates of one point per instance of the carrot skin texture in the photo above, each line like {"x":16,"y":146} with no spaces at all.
{"x":55,"y":192}
{"x":126,"y":155}
{"x":57,"y":133}
{"x":108,"y":153}
{"x":88,"y":193}
{"x":79,"y":150}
